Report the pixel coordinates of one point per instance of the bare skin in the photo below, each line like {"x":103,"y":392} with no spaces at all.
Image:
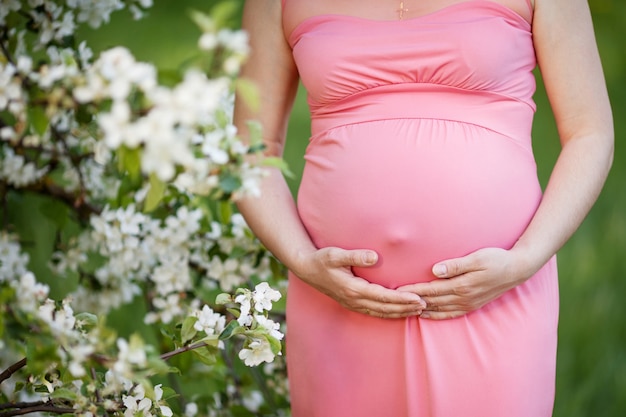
{"x":571,"y":69}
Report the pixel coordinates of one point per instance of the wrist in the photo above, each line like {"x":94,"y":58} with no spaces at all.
{"x":527,"y":261}
{"x":301,"y":263}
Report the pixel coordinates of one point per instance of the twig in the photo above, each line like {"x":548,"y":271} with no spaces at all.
{"x":6,"y":374}
{"x":27,"y":408}
{"x":183,"y":349}
{"x":7,"y":406}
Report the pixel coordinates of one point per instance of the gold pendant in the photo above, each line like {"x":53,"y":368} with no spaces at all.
{"x":401,"y":10}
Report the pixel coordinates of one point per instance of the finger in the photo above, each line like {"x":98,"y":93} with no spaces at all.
{"x":443,"y":315}
{"x":388,"y":313}
{"x":386,"y":296}
{"x":388,"y":305}
{"x":374,"y":308}
{"x":446,"y":304}
{"x":456,"y":266}
{"x":436,"y":288}
{"x":337,"y":257}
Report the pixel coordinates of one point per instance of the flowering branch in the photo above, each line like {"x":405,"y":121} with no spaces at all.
{"x":138,"y":181}
{"x":34,"y":407}
{"x":6,"y":374}
{"x":168,"y":355}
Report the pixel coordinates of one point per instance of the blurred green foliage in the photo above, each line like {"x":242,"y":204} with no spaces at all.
{"x":592,"y":346}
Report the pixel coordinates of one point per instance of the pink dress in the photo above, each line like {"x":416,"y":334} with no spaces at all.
{"x":421,"y":151}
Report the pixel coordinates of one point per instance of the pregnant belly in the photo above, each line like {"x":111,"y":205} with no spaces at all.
{"x":417,"y":192}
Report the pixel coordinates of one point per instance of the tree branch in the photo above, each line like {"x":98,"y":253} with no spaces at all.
{"x":6,"y":374}
{"x":7,"y":406}
{"x":183,"y":349}
{"x":27,"y":408}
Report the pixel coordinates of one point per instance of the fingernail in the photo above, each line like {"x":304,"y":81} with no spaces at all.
{"x":440,"y":270}
{"x":424,"y":315}
{"x":371,"y":258}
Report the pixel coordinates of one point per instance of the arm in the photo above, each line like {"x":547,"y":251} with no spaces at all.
{"x":570,"y":66}
{"x":273,"y":217}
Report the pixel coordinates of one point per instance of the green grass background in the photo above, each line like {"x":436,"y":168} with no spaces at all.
{"x":592,"y":338}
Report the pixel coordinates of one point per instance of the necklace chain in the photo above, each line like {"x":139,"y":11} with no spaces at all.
{"x":402,"y":10}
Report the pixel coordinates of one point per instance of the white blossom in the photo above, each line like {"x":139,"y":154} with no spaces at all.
{"x":137,"y":404}
{"x":158,"y":395}
{"x":95,"y":13}
{"x":10,"y":87}
{"x":226,"y":272}
{"x":30,"y":293}
{"x":166,"y":309}
{"x":256,"y":352}
{"x":6,"y":6}
{"x":210,"y":322}
{"x":60,"y":321}
{"x":253,"y":400}
{"x":263,"y":297}
{"x":16,"y":170}
{"x":191,"y":409}
{"x":130,"y":355}
{"x":13,"y":262}
{"x":272,"y":327}
{"x":79,"y":354}
{"x":245,"y":305}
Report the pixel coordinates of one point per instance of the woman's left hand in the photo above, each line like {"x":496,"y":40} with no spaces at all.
{"x":466,"y":284}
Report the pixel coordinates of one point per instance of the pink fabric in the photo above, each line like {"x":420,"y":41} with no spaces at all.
{"x":420,"y":150}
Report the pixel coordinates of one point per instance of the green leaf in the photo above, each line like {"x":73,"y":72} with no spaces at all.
{"x":156,"y":365}
{"x":229,"y":330}
{"x":188,"y":332}
{"x":249,"y":93}
{"x":223,"y":12}
{"x":83,"y":115}
{"x":55,"y":211}
{"x":203,"y":20}
{"x":129,"y":160}
{"x":169,"y":393}
{"x":279,"y":163}
{"x":274,"y":344}
{"x":40,"y":353}
{"x":255,"y":135}
{"x":211,"y":340}
{"x":225,"y":212}
{"x":155,"y":193}
{"x":229,"y":183}
{"x":169,"y":77}
{"x":65,"y":394}
{"x":87,"y":320}
{"x":206,"y":355}
{"x":38,"y":120}
{"x":223,"y":298}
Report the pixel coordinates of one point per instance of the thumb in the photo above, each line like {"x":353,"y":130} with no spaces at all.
{"x":452,"y":267}
{"x":361,"y":257}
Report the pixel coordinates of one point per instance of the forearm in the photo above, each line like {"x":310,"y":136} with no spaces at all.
{"x":575,"y":183}
{"x":275,"y":221}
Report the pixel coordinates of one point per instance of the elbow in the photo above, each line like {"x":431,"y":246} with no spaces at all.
{"x":609,"y":148}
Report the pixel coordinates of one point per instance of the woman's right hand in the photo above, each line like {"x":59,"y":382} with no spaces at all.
{"x":329,"y":270}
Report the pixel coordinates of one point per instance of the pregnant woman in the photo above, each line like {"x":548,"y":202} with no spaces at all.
{"x":423,"y":281}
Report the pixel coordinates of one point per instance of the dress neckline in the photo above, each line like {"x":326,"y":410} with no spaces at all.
{"x":301,"y":26}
